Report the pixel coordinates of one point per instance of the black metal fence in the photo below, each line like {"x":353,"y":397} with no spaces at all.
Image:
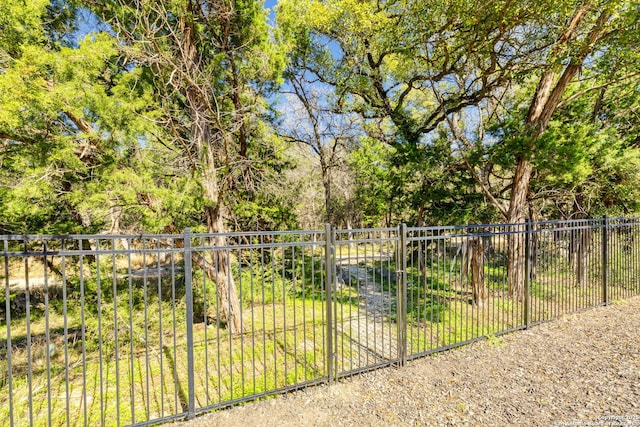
{"x":135,"y":330}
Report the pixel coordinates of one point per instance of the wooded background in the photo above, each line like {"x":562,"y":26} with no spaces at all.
{"x":131,"y":116}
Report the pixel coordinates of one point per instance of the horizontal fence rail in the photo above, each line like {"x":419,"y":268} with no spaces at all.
{"x":139,"y":330}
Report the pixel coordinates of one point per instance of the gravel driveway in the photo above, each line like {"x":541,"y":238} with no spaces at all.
{"x":582,"y":369}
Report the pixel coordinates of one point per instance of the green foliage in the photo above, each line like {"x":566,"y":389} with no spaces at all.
{"x":86,"y":145}
{"x":427,"y":184}
{"x":409,"y":67}
{"x":21,"y":24}
{"x":389,"y":58}
{"x":586,"y":161}
{"x":373,"y":191}
{"x":39,"y":154}
{"x":99,"y":130}
{"x":206,"y":70}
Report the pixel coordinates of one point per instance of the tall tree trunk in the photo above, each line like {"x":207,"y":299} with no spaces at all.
{"x":475,"y":253}
{"x":205,"y":139}
{"x":582,"y":240}
{"x":516,"y":217}
{"x":422,"y":249}
{"x":326,"y":183}
{"x":549,"y":92}
{"x":579,"y":244}
{"x":218,"y":265}
{"x":218,"y":269}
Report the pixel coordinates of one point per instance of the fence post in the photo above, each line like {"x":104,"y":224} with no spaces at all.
{"x":401,"y":294}
{"x":605,"y":259}
{"x":527,"y":274}
{"x":329,"y":274}
{"x":188,"y":277}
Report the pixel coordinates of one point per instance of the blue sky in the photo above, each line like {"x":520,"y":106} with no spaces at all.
{"x":89,"y":23}
{"x":270,"y":4}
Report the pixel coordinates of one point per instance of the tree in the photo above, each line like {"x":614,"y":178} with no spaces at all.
{"x":63,"y":132}
{"x":311,"y":121}
{"x":545,"y":100}
{"x":208,"y":64}
{"x":411,"y":64}
{"x":416,"y":66}
{"x":383,"y":60}
{"x":583,"y":37}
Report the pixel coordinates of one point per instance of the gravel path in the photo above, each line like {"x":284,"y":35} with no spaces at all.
{"x":582,"y":369}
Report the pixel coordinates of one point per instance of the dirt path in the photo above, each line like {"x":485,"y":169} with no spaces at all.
{"x":582,"y":369}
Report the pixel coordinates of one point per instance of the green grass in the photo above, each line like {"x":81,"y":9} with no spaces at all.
{"x":271,"y":354}
{"x":284,"y":344}
{"x":143,"y":377}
